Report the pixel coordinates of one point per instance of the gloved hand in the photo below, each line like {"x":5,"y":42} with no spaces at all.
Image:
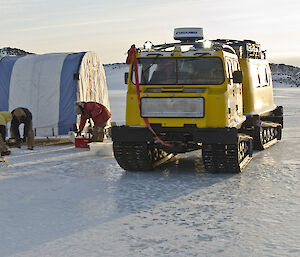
{"x":90,"y":130}
{"x":88,"y":115}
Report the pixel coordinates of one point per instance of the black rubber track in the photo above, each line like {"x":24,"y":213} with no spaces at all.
{"x":267,"y":134}
{"x":227,"y":157}
{"x":138,"y":156}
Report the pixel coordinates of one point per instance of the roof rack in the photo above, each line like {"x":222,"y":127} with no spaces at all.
{"x":168,"y":45}
{"x":243,"y":49}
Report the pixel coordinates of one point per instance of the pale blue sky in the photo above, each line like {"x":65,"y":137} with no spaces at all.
{"x":110,"y":27}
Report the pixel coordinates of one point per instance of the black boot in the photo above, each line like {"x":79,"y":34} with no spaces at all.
{"x":18,"y":143}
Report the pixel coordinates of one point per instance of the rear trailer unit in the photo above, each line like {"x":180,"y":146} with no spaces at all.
{"x":197,"y":94}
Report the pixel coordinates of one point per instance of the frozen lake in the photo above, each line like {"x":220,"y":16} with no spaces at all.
{"x":62,"y":201}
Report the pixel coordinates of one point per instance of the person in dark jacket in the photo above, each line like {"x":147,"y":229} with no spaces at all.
{"x":98,"y":113}
{"x":22,"y":115}
{"x":4,"y":118}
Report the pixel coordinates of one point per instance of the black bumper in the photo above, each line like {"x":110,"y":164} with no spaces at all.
{"x":173,"y":134}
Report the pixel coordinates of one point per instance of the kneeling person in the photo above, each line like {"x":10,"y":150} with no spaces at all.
{"x":22,"y":115}
{"x":98,"y":113}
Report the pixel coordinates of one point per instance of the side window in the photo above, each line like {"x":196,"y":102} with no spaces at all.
{"x":268,"y":72}
{"x":229,"y":69}
{"x":231,"y":66}
{"x":263,"y":75}
{"x":235,"y":65}
{"x":258,"y":76}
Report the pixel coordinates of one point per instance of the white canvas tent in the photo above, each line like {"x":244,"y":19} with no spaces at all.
{"x":49,"y":84}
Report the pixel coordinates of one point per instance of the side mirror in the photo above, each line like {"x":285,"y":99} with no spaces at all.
{"x":237,"y":76}
{"x":125,"y":77}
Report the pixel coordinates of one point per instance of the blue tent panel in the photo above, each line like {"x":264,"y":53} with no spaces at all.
{"x":6,"y":67}
{"x":68,"y":91}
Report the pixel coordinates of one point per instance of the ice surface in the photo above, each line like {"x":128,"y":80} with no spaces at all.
{"x":63,"y":201}
{"x":101,"y":148}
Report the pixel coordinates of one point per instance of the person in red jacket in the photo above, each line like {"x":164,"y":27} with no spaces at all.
{"x":98,"y":113}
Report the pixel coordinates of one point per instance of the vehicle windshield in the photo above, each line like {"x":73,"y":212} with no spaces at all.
{"x":180,"y":71}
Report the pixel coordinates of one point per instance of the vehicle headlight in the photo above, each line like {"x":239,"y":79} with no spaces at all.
{"x":207,"y":44}
{"x":148,"y":45}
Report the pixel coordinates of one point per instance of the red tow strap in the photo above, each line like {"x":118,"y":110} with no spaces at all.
{"x":132,"y":55}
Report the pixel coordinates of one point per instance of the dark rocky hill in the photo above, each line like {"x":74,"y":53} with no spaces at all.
{"x":285,"y":75}
{"x":12,"y":51}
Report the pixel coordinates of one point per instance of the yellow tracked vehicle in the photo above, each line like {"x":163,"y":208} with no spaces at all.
{"x":197,"y":94}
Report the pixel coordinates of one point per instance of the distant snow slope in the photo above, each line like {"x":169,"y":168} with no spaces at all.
{"x":283,"y":75}
{"x":115,"y":75}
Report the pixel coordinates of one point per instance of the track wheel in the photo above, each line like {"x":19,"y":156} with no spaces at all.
{"x":266,"y":135}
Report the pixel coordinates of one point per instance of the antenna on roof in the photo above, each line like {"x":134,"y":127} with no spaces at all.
{"x":188,"y":34}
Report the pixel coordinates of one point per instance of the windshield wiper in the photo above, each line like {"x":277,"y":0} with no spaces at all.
{"x":144,"y":71}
